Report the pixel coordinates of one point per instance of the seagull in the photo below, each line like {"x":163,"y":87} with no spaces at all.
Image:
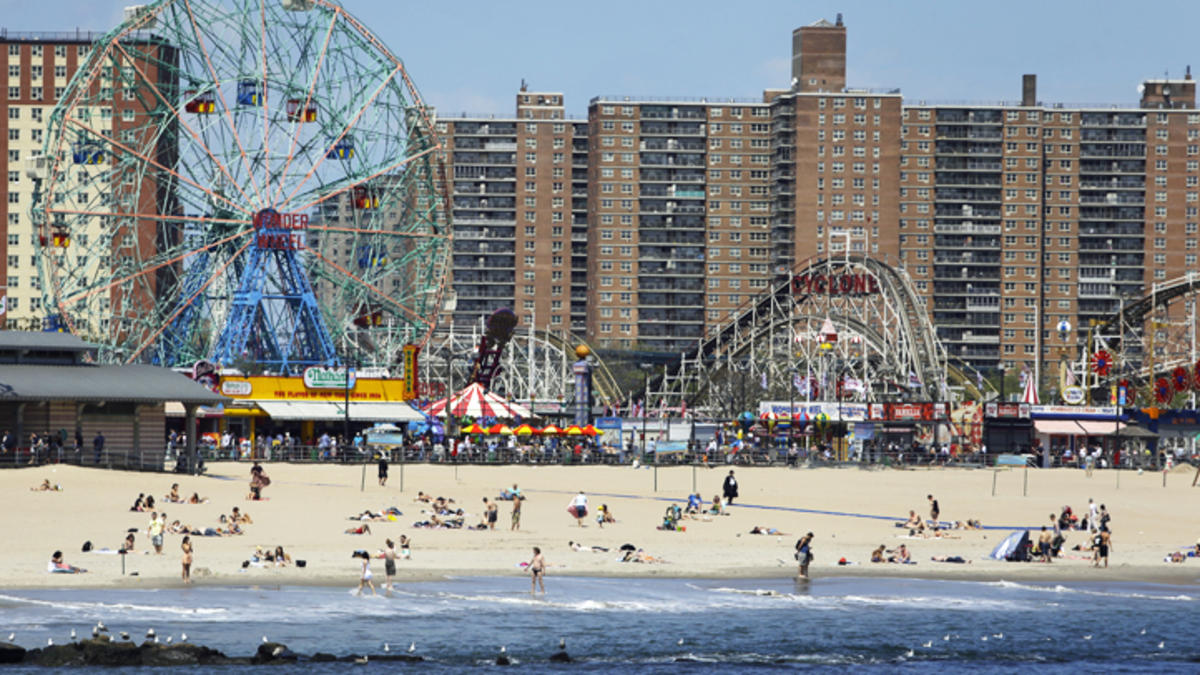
{"x":1161,"y":645}
{"x":909,"y":654}
{"x":124,"y":635}
{"x":150,"y":633}
{"x":1087,"y":637}
{"x":265,"y":640}
{"x":386,"y":648}
{"x":12,"y":636}
{"x":946,"y":637}
{"x":49,"y":642}
{"x":984,"y":638}
{"x":1143,"y":632}
{"x":998,"y":636}
{"x":72,"y":635}
{"x":562,"y":643}
{"x":101,"y":627}
{"x":183,"y":637}
{"x":928,"y":645}
{"x":95,"y":632}
{"x":412,"y":647}
{"x":169,"y":639}
{"x":363,"y":661}
{"x":680,"y":643}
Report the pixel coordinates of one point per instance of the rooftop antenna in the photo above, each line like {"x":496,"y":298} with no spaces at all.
{"x":839,"y":19}
{"x":524,"y":86}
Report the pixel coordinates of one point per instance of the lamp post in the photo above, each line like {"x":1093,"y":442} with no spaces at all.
{"x":645,"y":399}
{"x":1001,"y":369}
{"x":449,"y":304}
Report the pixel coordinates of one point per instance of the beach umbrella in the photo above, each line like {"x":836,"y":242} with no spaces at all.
{"x":477,"y":401}
{"x":590,"y":430}
{"x":551,"y":430}
{"x":573,"y":430}
{"x":525,"y":430}
{"x":1030,"y":393}
{"x":474,"y":429}
{"x":768,"y":416}
{"x":500,"y":430}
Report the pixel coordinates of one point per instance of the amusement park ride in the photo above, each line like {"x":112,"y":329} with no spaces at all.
{"x":242,"y":182}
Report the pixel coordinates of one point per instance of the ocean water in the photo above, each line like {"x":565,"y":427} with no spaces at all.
{"x":660,"y":625}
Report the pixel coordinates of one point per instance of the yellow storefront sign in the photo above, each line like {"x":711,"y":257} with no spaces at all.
{"x":272,"y":388}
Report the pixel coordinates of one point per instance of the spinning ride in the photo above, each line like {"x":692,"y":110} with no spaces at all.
{"x":242,"y":181}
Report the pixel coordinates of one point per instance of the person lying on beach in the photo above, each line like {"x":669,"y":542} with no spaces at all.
{"x":361,"y":529}
{"x":640,"y":556}
{"x":240,"y":518}
{"x":507,"y":495}
{"x":139,"y":503}
{"x":57,"y":566}
{"x":173,"y":496}
{"x":422,"y":497}
{"x":949,"y":559}
{"x":46,"y":487}
{"x":578,"y":547}
{"x":1175,"y":557}
{"x":176,"y":528}
{"x":877,"y":555}
{"x":197,"y":499}
{"x":762,"y":529}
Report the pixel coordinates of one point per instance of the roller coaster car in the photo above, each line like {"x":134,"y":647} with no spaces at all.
{"x":87,"y":153}
{"x":203,"y":103}
{"x":343,"y":149}
{"x":369,"y":319}
{"x":249,"y":93}
{"x":365,"y":198}
{"x":300,"y":111}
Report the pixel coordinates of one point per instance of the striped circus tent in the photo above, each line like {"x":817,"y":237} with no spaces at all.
{"x":475,"y":401}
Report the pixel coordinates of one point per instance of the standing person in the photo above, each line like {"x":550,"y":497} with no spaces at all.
{"x":389,"y":566}
{"x":1104,"y":545}
{"x":804,"y":554}
{"x":537,"y":568}
{"x":186,"y":560}
{"x":1046,"y":544}
{"x":730,"y":488}
{"x":383,"y":470}
{"x":491,"y":512}
{"x":1093,"y":522}
{"x":934,"y":510}
{"x":578,"y":508}
{"x":98,"y":445}
{"x":365,"y":579}
{"x":516,"y":511}
{"x":155,"y":531}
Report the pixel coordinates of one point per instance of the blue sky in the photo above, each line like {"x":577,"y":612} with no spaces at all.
{"x":470,"y":56}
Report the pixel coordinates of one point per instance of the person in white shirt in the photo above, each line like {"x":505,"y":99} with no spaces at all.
{"x":578,"y":507}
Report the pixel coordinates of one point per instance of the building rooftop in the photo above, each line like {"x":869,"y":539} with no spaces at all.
{"x":87,"y":383}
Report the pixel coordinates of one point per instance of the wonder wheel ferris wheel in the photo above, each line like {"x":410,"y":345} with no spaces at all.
{"x":242,"y":181}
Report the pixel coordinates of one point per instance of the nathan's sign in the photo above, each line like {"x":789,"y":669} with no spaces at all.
{"x":841,"y":283}
{"x":318,"y":377}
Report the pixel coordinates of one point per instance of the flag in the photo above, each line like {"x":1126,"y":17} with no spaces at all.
{"x":662,"y":407}
{"x":914,"y":381}
{"x":979,"y":379}
{"x":798,"y":383}
{"x":763,"y":380}
{"x":683,"y":408}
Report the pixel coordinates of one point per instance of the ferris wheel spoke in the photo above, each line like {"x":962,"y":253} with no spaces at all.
{"x":155,"y":266}
{"x":182,"y":120}
{"x":188,"y":301}
{"x":371,"y":288}
{"x":381,"y":233}
{"x":346,"y":129}
{"x":117,"y":144}
{"x":307,"y":100}
{"x":200,"y":42}
{"x":352,"y":184}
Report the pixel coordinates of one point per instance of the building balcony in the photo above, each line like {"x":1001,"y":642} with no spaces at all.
{"x":965,"y":228}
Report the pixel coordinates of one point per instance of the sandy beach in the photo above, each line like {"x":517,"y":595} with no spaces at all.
{"x":308,"y":507}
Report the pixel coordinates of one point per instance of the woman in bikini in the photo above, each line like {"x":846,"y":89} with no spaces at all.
{"x":537,"y":567}
{"x":186,"y":547}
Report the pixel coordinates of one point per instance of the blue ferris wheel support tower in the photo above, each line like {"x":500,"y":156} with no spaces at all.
{"x":274,"y":319}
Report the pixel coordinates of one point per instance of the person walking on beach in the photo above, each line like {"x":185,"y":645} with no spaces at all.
{"x":186,"y":560}
{"x":730,"y":488}
{"x":365,"y":579}
{"x":537,"y":568}
{"x":578,"y":508}
{"x":516,"y":511}
{"x":389,"y":566}
{"x":383,"y":470}
{"x":804,"y":555}
{"x":934,"y":510}
{"x":155,"y":531}
{"x":1103,"y":544}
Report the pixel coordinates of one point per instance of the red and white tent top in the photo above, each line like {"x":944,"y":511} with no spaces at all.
{"x":475,"y":401}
